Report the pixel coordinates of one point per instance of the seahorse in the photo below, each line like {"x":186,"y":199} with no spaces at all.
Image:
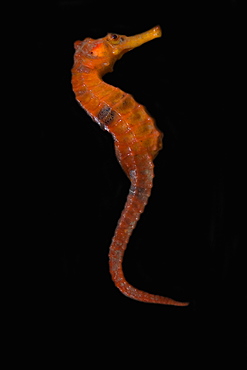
{"x":137,"y":139}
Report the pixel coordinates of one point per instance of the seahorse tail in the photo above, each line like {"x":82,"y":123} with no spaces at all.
{"x":135,"y":204}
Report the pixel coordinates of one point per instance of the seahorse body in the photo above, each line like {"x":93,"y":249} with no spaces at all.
{"x":136,"y":137}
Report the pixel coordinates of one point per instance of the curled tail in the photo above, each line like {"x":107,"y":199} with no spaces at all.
{"x":134,"y":206}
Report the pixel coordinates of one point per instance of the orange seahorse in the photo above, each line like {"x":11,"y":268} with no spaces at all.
{"x":136,"y":137}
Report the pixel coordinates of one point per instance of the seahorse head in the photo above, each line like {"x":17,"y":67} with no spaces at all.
{"x":101,"y":54}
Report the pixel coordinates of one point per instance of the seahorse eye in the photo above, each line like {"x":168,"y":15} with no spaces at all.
{"x":114,"y":38}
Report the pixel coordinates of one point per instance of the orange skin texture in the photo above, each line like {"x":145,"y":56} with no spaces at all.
{"x":137,"y":139}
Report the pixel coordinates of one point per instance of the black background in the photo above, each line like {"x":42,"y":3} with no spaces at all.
{"x":187,"y":244}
